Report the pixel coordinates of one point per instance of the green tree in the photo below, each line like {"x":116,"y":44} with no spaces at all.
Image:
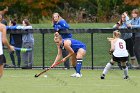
{"x":69,"y":9}
{"x":32,"y":9}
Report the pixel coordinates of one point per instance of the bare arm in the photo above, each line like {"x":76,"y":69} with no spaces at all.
{"x":59,"y":54}
{"x":4,"y":38}
{"x":112,"y":45}
{"x":117,"y":25}
{"x":67,"y":45}
{"x":110,"y":39}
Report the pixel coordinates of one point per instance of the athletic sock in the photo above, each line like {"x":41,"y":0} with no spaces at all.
{"x":126,"y":71}
{"x":108,"y":66}
{"x":78,"y":65}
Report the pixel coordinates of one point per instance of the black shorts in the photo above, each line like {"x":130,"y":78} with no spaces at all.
{"x":2,"y":59}
{"x":120,"y":59}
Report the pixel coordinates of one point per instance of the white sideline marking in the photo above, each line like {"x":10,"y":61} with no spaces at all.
{"x":107,"y":85}
{"x":58,"y":74}
{"x":58,"y":85}
{"x":92,"y":85}
{"x":20,"y":76}
{"x":48,"y":85}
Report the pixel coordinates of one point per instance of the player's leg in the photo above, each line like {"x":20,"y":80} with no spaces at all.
{"x":137,"y":50}
{"x":130,"y":48}
{"x":18,"y":54}
{"x":107,"y":68}
{"x":66,"y":63}
{"x":25,"y":56}
{"x":125,"y":69}
{"x":1,"y":70}
{"x":31,"y":56}
{"x":119,"y":65}
{"x":73,"y":63}
{"x":12,"y":58}
{"x":2,"y":62}
{"x":79,"y":58}
{"x":18,"y":58}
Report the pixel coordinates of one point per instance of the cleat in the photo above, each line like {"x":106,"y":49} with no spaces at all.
{"x":102,"y":76}
{"x":73,"y":75}
{"x":126,"y":77}
{"x":78,"y":75}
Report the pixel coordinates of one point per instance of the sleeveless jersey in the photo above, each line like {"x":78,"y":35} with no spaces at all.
{"x":75,"y":44}
{"x":1,"y":47}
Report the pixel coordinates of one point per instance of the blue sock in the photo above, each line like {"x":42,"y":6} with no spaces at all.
{"x":79,"y":65}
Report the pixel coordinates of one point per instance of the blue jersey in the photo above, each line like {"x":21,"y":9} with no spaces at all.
{"x":11,"y":27}
{"x":62,"y":26}
{"x":135,"y":22}
{"x":75,"y":44}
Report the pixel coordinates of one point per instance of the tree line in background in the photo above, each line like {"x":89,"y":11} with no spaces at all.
{"x":71,"y":10}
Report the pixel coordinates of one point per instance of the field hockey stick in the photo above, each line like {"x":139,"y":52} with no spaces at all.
{"x":23,"y":49}
{"x":52,"y":66}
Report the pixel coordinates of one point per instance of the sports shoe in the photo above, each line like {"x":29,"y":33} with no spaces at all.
{"x":65,"y":68}
{"x":78,"y":75}
{"x":73,"y":75}
{"x":126,"y":77}
{"x":103,"y":76}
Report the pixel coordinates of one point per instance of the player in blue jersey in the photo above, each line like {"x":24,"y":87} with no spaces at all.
{"x":76,"y":50}
{"x":61,"y":27}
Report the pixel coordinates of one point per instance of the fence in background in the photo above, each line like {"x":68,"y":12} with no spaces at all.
{"x":45,"y":49}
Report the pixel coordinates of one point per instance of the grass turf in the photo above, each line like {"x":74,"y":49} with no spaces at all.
{"x":78,"y":25}
{"x":59,"y":81}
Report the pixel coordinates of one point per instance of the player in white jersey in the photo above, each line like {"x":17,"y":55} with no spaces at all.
{"x":119,"y":54}
{"x":3,"y":40}
{"x":119,"y":48}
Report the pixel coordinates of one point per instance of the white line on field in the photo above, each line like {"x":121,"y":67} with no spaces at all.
{"x":90,"y":85}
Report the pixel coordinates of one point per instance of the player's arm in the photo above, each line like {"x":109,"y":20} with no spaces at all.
{"x":110,"y":39}
{"x":112,"y":46}
{"x":56,"y":27}
{"x":59,"y":55}
{"x":67,"y":45}
{"x":63,"y":24}
{"x":134,"y":26}
{"x":4,"y":38}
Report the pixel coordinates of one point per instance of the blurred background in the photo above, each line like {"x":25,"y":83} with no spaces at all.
{"x":74,"y":11}
{"x":79,"y":14}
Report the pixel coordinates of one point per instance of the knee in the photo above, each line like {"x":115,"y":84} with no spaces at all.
{"x":73,"y":63}
{"x":123,"y":67}
{"x":132,"y":58}
{"x":112,"y":63}
{"x":79,"y":57}
{"x":80,"y":54}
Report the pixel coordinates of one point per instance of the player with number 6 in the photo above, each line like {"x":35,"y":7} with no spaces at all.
{"x":119,"y":54}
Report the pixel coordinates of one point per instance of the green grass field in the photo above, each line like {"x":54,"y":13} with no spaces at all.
{"x":78,"y":25}
{"x":101,"y":45}
{"x":59,"y":81}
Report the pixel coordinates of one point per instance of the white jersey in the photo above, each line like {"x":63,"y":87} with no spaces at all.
{"x":120,"y":49}
{"x":1,"y":47}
